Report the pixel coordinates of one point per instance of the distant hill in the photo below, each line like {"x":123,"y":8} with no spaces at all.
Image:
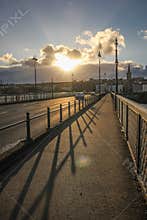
{"x":83,"y":72}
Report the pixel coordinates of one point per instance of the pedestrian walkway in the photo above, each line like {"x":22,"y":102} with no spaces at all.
{"x":79,"y":174}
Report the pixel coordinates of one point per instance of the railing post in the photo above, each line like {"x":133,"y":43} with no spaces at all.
{"x":60,"y":113}
{"x":119,"y":108}
{"x":28,"y":138}
{"x":82,"y":103}
{"x":79,"y":104}
{"x":69,"y":109}
{"x":85,"y":102}
{"x":115,"y":101}
{"x":48,"y":118}
{"x":127,"y":120}
{"x":122,"y":113}
{"x":74,"y":106}
{"x":138,"y":142}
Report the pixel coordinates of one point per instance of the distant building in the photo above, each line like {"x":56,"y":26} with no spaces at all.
{"x":137,"y":87}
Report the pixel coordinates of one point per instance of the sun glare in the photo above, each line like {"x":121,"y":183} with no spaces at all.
{"x":65,"y":62}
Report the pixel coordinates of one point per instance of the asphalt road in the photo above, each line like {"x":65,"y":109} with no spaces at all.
{"x":10,"y":114}
{"x":16,"y":112}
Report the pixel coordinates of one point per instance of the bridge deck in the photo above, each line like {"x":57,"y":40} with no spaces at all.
{"x":82,"y":173}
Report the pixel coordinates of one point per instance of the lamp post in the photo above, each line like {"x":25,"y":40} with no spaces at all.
{"x":52,"y":87}
{"x":99,"y":68}
{"x":35,"y":78}
{"x":72,"y":75}
{"x":116,"y":66}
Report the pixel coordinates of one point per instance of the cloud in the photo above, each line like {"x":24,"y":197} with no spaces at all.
{"x":74,"y":54}
{"x":143,"y":34}
{"x":48,"y":54}
{"x":82,"y":72}
{"x":8,"y":59}
{"x":103,"y":40}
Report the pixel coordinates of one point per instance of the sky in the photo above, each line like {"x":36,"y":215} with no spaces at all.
{"x":38,"y":28}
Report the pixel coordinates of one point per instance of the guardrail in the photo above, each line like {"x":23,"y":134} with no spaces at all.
{"x":34,"y":126}
{"x":133,"y":119}
{"x":11,"y":99}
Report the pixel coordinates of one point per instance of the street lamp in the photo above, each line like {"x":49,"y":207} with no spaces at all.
{"x":116,"y":65}
{"x":35,"y":78}
{"x":99,"y":56}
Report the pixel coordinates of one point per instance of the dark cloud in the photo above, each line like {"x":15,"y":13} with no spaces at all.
{"x":74,"y":54}
{"x":47,"y":55}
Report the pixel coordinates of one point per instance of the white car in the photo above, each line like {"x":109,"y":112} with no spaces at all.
{"x":79,"y":96}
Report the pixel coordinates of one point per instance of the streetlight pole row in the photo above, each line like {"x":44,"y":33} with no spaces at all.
{"x":99,"y":56}
{"x":35,"y":61}
{"x":116,"y":64}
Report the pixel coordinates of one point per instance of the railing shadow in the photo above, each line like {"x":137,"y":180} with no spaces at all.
{"x":48,"y":187}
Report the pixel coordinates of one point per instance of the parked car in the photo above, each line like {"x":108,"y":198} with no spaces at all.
{"x":79,"y":96}
{"x":93,"y":93}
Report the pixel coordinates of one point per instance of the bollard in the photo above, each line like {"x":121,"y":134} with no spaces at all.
{"x":79,"y":105}
{"x":69,"y":109}
{"x":28,"y":138}
{"x":60,"y":113}
{"x":48,"y":118}
{"x":127,"y":110}
{"x":74,"y":106}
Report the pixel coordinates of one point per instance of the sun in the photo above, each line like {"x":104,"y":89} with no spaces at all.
{"x":65,"y":62}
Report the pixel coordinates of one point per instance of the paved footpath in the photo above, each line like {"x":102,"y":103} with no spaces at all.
{"x":79,"y":174}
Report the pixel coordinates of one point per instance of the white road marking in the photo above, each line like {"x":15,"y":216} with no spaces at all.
{"x":2,"y":113}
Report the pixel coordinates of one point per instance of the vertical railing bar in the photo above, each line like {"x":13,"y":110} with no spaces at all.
{"x":48,"y":118}
{"x":69,"y":113}
{"x":28,"y":130}
{"x":60,"y":113}
{"x":138,"y":142}
{"x":127,"y":121}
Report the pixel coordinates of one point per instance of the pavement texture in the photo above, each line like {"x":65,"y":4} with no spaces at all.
{"x":79,"y":174}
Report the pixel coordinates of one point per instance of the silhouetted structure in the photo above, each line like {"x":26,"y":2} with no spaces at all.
{"x":129,"y":80}
{"x":116,"y":64}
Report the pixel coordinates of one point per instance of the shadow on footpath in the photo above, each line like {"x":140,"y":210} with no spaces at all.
{"x":47,"y":189}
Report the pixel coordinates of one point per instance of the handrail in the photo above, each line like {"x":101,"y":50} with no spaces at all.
{"x":134,"y":125}
{"x":12,"y":125}
{"x":134,"y":106}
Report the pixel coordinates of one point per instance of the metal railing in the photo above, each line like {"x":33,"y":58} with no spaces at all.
{"x":11,"y":99}
{"x":133,"y":119}
{"x":33,"y":126}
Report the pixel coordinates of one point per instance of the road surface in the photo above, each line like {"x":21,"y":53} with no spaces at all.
{"x":16,"y":112}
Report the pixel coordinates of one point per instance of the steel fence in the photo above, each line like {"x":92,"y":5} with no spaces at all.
{"x":11,"y":99}
{"x":133,"y":119}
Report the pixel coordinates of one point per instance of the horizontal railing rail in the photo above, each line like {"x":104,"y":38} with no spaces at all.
{"x":133,"y":119}
{"x":12,"y":125}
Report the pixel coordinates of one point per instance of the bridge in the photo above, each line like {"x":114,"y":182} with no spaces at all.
{"x":91,"y":166}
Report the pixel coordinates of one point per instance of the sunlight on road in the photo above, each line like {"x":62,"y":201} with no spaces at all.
{"x":83,"y":161}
